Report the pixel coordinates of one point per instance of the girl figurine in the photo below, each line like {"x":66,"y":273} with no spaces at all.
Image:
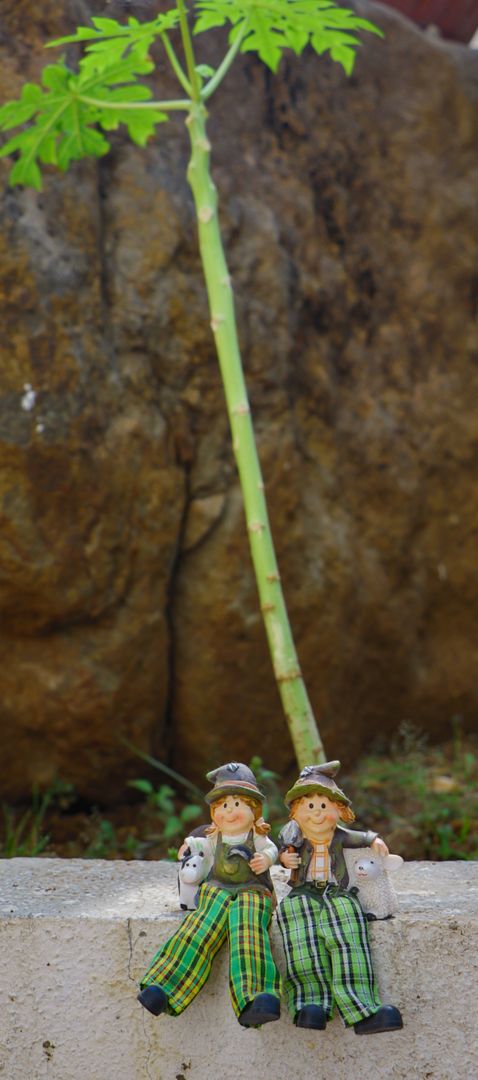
{"x":324,"y":930}
{"x":235,"y":903}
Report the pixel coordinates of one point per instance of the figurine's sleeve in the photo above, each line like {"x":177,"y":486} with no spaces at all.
{"x":206,"y":844}
{"x":267,"y":847}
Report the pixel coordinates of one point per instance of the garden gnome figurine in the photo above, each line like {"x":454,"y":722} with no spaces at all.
{"x":323,"y":927}
{"x":235,"y":903}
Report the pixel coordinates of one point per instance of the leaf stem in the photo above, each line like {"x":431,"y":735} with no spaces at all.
{"x":181,"y":104}
{"x":176,"y":66}
{"x":224,"y":66}
{"x":189,"y":52}
{"x":162,"y":767}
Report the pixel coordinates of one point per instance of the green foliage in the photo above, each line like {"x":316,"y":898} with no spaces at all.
{"x":267,"y":782}
{"x":107,"y":842}
{"x":128,"y":36}
{"x":161,"y":767}
{"x":104,"y":842}
{"x":64,"y":113}
{"x":23,"y":832}
{"x":270,"y":26}
{"x":174,"y":822}
{"x":65,"y":118}
{"x":423,"y":799}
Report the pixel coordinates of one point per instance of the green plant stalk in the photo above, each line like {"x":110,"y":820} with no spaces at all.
{"x":300,"y":718}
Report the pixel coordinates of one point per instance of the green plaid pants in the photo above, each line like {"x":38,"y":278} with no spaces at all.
{"x":327,"y":951}
{"x":183,"y":964}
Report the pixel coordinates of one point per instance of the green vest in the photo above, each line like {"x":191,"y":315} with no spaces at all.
{"x":232,"y":871}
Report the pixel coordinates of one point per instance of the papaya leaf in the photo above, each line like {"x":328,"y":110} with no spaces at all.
{"x":132,"y":32}
{"x":270,"y":26}
{"x":205,"y":70}
{"x":18,"y":112}
{"x":61,"y":117}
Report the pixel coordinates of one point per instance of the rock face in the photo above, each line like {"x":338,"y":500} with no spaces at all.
{"x":128,"y":602}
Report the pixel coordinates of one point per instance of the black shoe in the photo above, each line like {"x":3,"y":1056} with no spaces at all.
{"x":311,"y":1016}
{"x":153,"y":999}
{"x":261,"y":1010}
{"x":387,"y":1018}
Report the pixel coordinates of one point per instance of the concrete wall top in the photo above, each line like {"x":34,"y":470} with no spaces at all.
{"x":76,"y":936}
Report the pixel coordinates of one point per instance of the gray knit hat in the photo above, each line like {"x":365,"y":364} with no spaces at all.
{"x":318,"y":778}
{"x":233,"y":779}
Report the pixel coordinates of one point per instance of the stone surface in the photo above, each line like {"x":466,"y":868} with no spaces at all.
{"x":128,"y":604}
{"x":76,"y":936}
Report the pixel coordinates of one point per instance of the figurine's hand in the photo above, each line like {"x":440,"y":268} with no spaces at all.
{"x":259,"y":863}
{"x":379,"y":847}
{"x":182,"y":850}
{"x":290,"y":859}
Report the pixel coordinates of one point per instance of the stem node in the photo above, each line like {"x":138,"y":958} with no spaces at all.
{"x":203,"y":144}
{"x":256,"y":527}
{"x":289,"y":676}
{"x":205,"y":214}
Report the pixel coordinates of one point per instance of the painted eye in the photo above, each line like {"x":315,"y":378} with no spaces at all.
{"x":311,"y":806}
{"x":236,"y":802}
{"x":323,"y":805}
{"x":224,"y":806}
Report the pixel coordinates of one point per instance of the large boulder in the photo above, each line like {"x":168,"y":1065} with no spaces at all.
{"x":128,"y":602}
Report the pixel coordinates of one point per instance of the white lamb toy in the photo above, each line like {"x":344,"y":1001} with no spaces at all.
{"x":370,"y":873}
{"x":191,"y":873}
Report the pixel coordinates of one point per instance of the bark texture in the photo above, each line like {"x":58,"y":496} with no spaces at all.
{"x":128,"y":603}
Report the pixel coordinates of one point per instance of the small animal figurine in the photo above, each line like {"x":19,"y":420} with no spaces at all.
{"x":323,"y":927}
{"x":371,"y":875}
{"x":191,"y":873}
{"x":234,"y":904}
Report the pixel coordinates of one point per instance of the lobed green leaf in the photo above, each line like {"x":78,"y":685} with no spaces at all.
{"x":270,"y":26}
{"x":132,"y":32}
{"x":66,"y":117}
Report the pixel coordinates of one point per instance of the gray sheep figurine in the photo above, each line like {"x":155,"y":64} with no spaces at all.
{"x":371,"y":875}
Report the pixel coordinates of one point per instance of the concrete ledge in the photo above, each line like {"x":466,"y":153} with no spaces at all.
{"x":75,"y":936}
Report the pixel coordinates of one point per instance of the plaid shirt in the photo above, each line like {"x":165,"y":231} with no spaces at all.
{"x":319,"y":866}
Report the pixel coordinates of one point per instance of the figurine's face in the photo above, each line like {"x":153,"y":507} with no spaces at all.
{"x":317,"y":816}
{"x":232,"y":815}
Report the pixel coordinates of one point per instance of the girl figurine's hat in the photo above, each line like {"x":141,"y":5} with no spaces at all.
{"x":318,"y":779}
{"x":233,"y":779}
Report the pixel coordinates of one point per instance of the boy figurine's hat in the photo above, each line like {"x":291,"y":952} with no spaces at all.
{"x":233,"y":779}
{"x":318,"y":778}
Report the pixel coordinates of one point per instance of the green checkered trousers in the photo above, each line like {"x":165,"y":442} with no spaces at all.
{"x":183,"y":964}
{"x":327,"y":952}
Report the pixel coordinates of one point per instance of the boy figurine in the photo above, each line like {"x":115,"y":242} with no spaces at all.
{"x":235,"y":902}
{"x":323,"y":927}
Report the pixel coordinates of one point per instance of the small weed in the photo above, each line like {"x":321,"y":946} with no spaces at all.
{"x":104,"y":842}
{"x":162,"y":801}
{"x":23,"y":831}
{"x":422,"y":798}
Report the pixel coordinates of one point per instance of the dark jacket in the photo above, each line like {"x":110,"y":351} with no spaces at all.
{"x":291,"y":837}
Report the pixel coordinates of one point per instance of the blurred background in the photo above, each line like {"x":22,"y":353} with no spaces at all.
{"x":133,"y":656}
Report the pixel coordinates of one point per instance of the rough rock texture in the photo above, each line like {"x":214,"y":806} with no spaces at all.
{"x":127,"y":598}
